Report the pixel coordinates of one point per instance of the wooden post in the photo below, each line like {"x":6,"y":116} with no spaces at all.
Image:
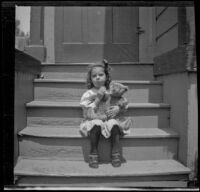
{"x":49,"y":20}
{"x":192,"y":135}
{"x":146,"y":38}
{"x":36,"y":45}
{"x":37,"y":26}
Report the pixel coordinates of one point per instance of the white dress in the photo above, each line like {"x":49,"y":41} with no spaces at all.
{"x":87,"y":102}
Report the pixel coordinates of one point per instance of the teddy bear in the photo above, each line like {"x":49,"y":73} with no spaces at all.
{"x":116,"y":92}
{"x":113,"y":97}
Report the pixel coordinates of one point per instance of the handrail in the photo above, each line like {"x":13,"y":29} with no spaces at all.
{"x":26,"y":63}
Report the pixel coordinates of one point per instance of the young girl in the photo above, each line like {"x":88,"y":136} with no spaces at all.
{"x":97,"y":121}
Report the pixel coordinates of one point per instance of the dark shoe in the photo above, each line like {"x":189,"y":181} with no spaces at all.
{"x":93,"y":161}
{"x":115,"y":160}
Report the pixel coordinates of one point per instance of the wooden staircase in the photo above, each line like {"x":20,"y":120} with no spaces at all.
{"x":53,"y":153}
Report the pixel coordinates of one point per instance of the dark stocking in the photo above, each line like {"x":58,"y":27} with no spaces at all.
{"x":115,"y":134}
{"x":94,"y":138}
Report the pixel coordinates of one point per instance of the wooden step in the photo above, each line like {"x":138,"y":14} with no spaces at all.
{"x":72,"y":90}
{"x":66,"y":142}
{"x":120,"y":71}
{"x":48,"y":172}
{"x":65,"y":104}
{"x":70,"y":114}
{"x":73,"y":132}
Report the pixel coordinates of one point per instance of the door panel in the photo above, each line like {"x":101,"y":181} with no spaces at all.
{"x":96,"y":22}
{"x":90,"y":34}
{"x":72,"y":27}
{"x":123,"y":26}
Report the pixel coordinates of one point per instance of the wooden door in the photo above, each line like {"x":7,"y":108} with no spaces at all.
{"x":90,"y":34}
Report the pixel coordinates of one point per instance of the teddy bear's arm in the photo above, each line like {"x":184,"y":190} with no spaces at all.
{"x":123,"y":104}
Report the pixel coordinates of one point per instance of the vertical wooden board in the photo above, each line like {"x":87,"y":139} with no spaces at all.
{"x":72,"y":27}
{"x":35,"y":26}
{"x":49,"y":31}
{"x":124,"y":27}
{"x":96,"y":24}
{"x":99,"y":24}
{"x":58,"y":33}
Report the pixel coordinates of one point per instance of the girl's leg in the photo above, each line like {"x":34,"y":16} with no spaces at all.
{"x":94,"y":139}
{"x":115,"y":155}
{"x":115,"y":136}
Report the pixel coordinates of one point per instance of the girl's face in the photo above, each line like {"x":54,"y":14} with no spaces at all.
{"x":98,"y":77}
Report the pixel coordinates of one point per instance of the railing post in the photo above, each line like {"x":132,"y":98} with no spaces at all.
{"x":37,"y":26}
{"x":49,"y":31}
{"x":36,"y":45}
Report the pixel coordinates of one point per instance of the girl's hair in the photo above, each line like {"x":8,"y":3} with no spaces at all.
{"x":107,"y":69}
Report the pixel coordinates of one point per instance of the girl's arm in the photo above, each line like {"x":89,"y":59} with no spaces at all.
{"x":90,"y":114}
{"x":91,"y":100}
{"x":120,"y":107}
{"x":87,"y":100}
{"x":88,"y":103}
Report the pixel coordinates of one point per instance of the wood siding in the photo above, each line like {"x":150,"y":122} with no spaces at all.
{"x":174,"y":50}
{"x":166,"y":29}
{"x":26,"y":69}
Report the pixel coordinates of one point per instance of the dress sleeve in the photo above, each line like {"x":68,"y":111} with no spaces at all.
{"x":87,"y":100}
{"x":88,"y":105}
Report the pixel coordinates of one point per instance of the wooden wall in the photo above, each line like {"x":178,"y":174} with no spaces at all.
{"x":173,"y":45}
{"x":166,"y":29}
{"x":26,"y":69}
{"x":175,"y":65}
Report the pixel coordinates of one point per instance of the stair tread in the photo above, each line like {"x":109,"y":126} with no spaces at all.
{"x":73,"y":132}
{"x":49,"y":167}
{"x":76,"y":104}
{"x":114,"y":63}
{"x":83,"y":81}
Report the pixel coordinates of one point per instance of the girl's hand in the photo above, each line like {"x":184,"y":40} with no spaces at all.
{"x":101,"y":92}
{"x":102,"y":117}
{"x":112,"y":111}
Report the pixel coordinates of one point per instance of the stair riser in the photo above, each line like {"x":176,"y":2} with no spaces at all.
{"x":66,"y":116}
{"x":79,"y":148}
{"x":140,"y":181}
{"x":120,"y":72}
{"x":138,"y":93}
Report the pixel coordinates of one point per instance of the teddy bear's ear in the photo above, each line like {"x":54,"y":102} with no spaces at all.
{"x":111,"y":85}
{"x":123,"y":87}
{"x":105,"y":61}
{"x":126,"y":88}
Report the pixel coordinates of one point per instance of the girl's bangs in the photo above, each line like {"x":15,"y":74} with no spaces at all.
{"x":91,"y":66}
